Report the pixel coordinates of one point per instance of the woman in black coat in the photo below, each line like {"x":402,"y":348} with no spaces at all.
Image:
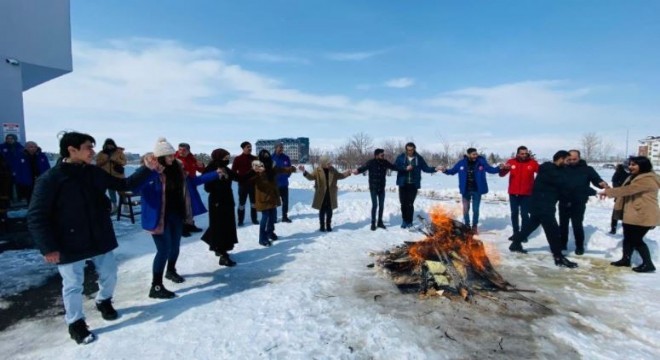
{"x":221,"y":233}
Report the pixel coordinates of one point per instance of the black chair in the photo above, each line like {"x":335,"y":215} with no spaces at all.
{"x":129,"y":199}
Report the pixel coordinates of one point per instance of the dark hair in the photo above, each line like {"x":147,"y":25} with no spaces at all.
{"x":107,"y":142}
{"x":561,"y":154}
{"x":185,"y":145}
{"x":173,"y":173}
{"x":575,"y":150}
{"x":643,"y":162}
{"x":74,"y":139}
{"x":267,"y":160}
{"x":378,"y":152}
{"x":471,"y":150}
{"x":13,"y":136}
{"x":521,"y":147}
{"x":411,"y":144}
{"x":244,"y":144}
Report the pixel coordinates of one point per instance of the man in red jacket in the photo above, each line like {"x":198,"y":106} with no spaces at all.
{"x":242,"y":165}
{"x":521,"y":181}
{"x":191,"y":166}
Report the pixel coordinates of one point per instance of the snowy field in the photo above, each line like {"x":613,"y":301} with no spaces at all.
{"x":312,"y":296}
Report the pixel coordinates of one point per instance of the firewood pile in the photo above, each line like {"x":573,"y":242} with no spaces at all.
{"x":450,"y":261}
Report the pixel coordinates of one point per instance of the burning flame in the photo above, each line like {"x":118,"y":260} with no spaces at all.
{"x":449,"y":238}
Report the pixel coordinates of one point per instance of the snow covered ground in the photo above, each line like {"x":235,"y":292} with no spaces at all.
{"x":312,"y":296}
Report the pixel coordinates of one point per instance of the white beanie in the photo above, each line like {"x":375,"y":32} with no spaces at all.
{"x":163,"y":148}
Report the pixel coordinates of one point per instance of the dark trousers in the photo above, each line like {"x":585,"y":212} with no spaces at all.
{"x":267,"y":225}
{"x":284,"y":195}
{"x":167,"y":245}
{"x":573,"y":213}
{"x":519,"y":211}
{"x":377,"y":200}
{"x":633,"y":239}
{"x":407,"y":195}
{"x":325,"y":213}
{"x":550,"y":227}
{"x":245,"y":191}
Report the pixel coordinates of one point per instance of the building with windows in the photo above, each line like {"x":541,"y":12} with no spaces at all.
{"x":297,"y":149}
{"x":650,"y":147}
{"x":35,"y":47}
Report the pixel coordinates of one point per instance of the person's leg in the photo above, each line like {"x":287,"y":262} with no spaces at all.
{"x":514,"y":205}
{"x":627,"y":246}
{"x":106,"y":267}
{"x":637,"y":234}
{"x":263,"y":229}
{"x":564,"y":218}
{"x":465,"y":199}
{"x":242,"y":199}
{"x":174,"y":225}
{"x":402,"y":203}
{"x":577,"y":217}
{"x":284,"y":194}
{"x":524,"y":202}
{"x":374,"y":207}
{"x":552,"y":234}
{"x":322,"y":219}
{"x":328,"y":218}
{"x":73,"y":276}
{"x":163,"y":244}
{"x":476,"y":202}
{"x":270,"y":226}
{"x":253,"y":209}
{"x":381,"y":204}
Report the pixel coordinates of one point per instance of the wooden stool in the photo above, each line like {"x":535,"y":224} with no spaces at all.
{"x":126,"y":198}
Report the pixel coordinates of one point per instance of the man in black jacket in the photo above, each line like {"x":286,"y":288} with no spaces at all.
{"x":377,"y":168}
{"x":549,"y":186}
{"x":573,"y":204}
{"x":69,"y":220}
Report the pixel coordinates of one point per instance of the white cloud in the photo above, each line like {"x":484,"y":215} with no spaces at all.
{"x":136,"y":90}
{"x":400,"y":83}
{"x":354,"y":56}
{"x":275,"y":58}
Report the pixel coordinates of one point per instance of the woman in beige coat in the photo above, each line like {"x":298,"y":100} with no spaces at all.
{"x":325,"y":194}
{"x":637,"y":204}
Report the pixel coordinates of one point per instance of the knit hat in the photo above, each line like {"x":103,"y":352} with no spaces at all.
{"x":163,"y":148}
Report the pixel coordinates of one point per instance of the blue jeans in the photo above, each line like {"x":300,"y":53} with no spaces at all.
{"x":168,"y":243}
{"x":73,"y":276}
{"x":267,"y":224}
{"x":475,"y":198}
{"x":377,"y":200}
{"x":519,"y":208}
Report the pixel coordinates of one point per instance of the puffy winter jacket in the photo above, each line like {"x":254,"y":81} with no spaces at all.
{"x":480,"y":170}
{"x":25,"y":174}
{"x":521,"y":175}
{"x":377,"y":171}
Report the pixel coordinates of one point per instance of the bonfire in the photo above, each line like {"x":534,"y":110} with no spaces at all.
{"x":451,"y":261}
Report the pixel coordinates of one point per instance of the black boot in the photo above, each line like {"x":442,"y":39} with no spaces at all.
{"x":174,"y":276}
{"x":225,"y":260}
{"x":80,"y":333}
{"x":108,"y":312}
{"x":373,"y":226}
{"x":647,"y":264}
{"x":328,"y":225}
{"x":253,"y":215}
{"x":380,"y":224}
{"x":562,"y":261}
{"x":516,"y":246}
{"x":241,"y":216}
{"x":625,"y":258}
{"x":159,"y":292}
{"x":613,"y":226}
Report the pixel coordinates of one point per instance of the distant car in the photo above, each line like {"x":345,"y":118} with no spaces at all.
{"x":609,"y":166}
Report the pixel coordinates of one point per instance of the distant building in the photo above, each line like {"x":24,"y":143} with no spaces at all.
{"x":297,"y":149}
{"x":650,"y":147}
{"x":35,"y":47}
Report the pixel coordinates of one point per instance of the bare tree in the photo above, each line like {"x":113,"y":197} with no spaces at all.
{"x":314,"y":156}
{"x":591,"y":145}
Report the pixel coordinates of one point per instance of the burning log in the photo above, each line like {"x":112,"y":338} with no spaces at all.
{"x":450,"y":259}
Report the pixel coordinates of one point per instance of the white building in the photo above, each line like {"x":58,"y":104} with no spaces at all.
{"x":650,"y":147}
{"x":35,"y":46}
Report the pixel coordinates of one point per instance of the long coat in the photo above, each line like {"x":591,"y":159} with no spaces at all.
{"x":221,"y":233}
{"x":266,"y":194}
{"x":322,"y":184}
{"x":638,"y":198}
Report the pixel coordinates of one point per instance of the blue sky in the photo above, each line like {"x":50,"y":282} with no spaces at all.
{"x":492,"y":73}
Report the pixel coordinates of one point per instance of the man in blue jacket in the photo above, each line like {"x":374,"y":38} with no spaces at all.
{"x":69,"y":220}
{"x":409,"y":179}
{"x":472,"y":183}
{"x":281,"y":160}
